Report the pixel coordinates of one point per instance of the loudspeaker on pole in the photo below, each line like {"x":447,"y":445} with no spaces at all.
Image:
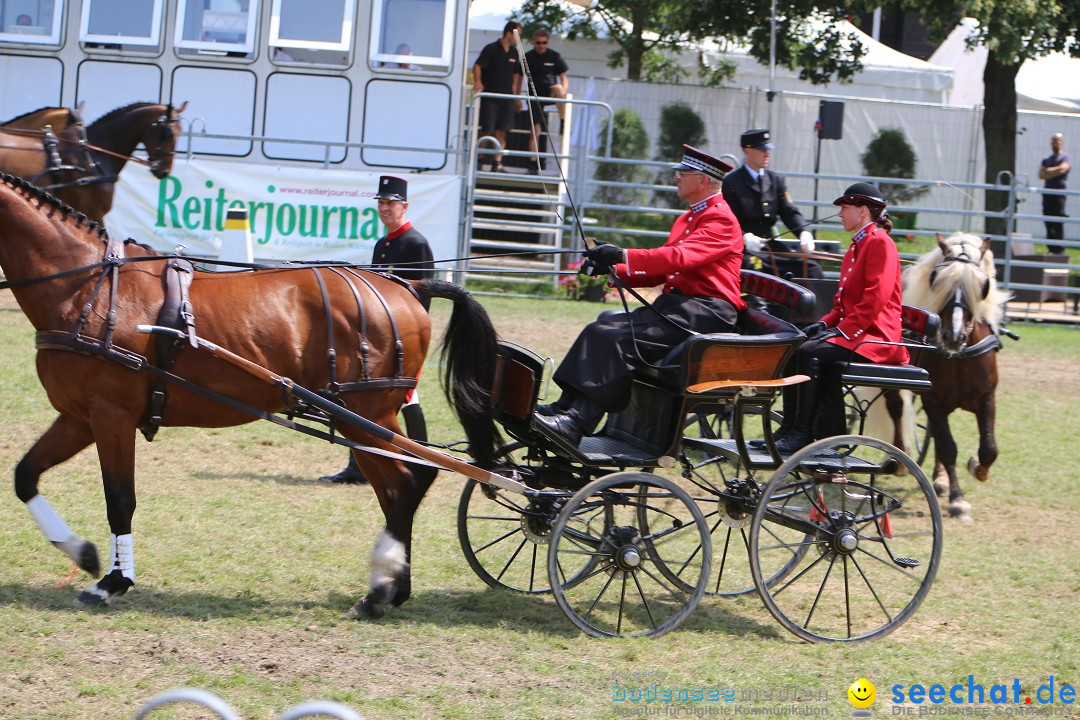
{"x":831,"y":117}
{"x":236,"y":242}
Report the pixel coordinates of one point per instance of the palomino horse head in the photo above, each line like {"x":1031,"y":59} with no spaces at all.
{"x":956,"y":280}
{"x":159,"y":138}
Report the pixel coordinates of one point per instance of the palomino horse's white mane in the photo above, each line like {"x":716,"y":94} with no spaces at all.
{"x":972,"y":277}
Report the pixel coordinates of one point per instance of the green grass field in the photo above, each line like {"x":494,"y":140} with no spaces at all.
{"x":247,"y":564}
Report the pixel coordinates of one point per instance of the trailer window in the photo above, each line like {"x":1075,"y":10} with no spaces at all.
{"x":306,"y":32}
{"x":411,"y":35}
{"x":120,"y":24}
{"x":216,"y":27}
{"x":35,"y":23}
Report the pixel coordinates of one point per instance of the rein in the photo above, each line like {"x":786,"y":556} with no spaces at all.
{"x":71,"y":141}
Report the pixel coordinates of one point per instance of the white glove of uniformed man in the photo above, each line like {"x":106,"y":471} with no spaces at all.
{"x":753,"y":242}
{"x":806,"y":240}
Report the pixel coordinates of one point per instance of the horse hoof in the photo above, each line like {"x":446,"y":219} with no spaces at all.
{"x":977,"y":471}
{"x":941,"y":487}
{"x":367,"y":609}
{"x":960,"y":510}
{"x":82,"y":553}
{"x":104,"y":591}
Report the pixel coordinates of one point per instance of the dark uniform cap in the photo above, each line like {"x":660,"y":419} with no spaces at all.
{"x":759,"y":139}
{"x":861,"y":194}
{"x":697,"y":161}
{"x":392,"y":188}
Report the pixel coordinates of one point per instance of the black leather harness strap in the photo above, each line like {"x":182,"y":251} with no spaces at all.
{"x":176,"y":312}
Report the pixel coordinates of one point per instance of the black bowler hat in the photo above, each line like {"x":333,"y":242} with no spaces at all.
{"x":759,"y":139}
{"x":861,"y":194}
{"x":392,"y":188}
{"x":695,"y":160}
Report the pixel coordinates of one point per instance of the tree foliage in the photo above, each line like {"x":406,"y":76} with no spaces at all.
{"x":1012,"y":31}
{"x":679,"y":125}
{"x":648,"y":32}
{"x":890,"y":155}
{"x":629,"y":140}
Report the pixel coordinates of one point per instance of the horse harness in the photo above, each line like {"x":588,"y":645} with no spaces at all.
{"x":178,"y":313}
{"x":990,"y":343}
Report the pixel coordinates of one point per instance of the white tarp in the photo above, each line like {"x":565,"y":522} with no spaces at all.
{"x":1046,"y":83}
{"x":294,"y":213}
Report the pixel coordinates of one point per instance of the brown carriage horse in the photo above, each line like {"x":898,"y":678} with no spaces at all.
{"x":72,"y":279}
{"x":90,"y":169}
{"x":58,"y":118}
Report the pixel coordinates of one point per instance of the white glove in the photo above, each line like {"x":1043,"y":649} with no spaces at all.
{"x":753,"y":242}
{"x":807,"y":241}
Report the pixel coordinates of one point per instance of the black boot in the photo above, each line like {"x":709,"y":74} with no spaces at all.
{"x":803,"y":411}
{"x":569,"y":418}
{"x":415,"y":424}
{"x":351,"y":475}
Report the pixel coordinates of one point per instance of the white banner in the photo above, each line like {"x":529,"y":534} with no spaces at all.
{"x":294,"y":213}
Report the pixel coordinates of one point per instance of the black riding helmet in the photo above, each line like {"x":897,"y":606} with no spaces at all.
{"x":862,"y":194}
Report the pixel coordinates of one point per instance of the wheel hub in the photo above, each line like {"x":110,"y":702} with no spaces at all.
{"x":537,"y":520}
{"x":621,"y":542}
{"x":737,"y":508}
{"x":845,"y":541}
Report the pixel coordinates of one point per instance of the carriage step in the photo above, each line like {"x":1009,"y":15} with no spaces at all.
{"x":906,"y":562}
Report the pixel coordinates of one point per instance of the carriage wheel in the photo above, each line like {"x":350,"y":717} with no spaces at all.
{"x":504,"y":535}
{"x":872,"y":539}
{"x":727,"y":503}
{"x":625,"y":593}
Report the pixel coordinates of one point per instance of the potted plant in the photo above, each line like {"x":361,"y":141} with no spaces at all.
{"x":589,"y":288}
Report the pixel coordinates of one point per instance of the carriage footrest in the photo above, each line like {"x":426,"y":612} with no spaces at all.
{"x":895,"y":377}
{"x":906,"y":562}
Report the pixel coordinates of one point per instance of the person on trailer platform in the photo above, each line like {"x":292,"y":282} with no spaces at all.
{"x":404,"y":252}
{"x":698,"y":267}
{"x":866,"y":314}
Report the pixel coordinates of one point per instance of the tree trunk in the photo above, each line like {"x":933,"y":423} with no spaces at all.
{"x":635,"y":44}
{"x":999,"y":132}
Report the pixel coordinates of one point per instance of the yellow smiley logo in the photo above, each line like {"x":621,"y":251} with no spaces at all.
{"x":862,"y":693}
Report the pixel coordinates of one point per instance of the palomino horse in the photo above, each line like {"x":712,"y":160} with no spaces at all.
{"x":956,"y":281}
{"x":92,"y":162}
{"x":361,"y":336}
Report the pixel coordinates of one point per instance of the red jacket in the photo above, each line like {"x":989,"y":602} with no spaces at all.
{"x":866,"y":306}
{"x":703,"y":256}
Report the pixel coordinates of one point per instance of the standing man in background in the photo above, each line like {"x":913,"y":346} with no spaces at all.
{"x":404,"y":252}
{"x":498,"y":70}
{"x":759,"y":197}
{"x":1054,"y":170}
{"x":547,"y":70}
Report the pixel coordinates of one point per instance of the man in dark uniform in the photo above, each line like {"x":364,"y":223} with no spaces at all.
{"x":547,"y":71}
{"x":759,"y":197}
{"x":498,"y":70}
{"x":404,"y":252}
{"x":699,"y":269}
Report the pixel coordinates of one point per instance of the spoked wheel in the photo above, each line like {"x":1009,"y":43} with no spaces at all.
{"x":504,"y":535}
{"x":872,"y":539}
{"x":625,"y":593}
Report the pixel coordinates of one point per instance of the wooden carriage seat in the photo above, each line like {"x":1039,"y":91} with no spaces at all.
{"x":920,"y":326}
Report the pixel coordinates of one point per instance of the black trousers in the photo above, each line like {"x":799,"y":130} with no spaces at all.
{"x":1054,"y":205}
{"x":600,"y":363}
{"x":817,"y":405}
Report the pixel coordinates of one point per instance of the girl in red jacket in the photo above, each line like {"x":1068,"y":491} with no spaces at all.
{"x":866,"y":311}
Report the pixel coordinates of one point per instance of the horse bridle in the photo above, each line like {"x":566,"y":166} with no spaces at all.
{"x":163,"y":125}
{"x":958,"y":304}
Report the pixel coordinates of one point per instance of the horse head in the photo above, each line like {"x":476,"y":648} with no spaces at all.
{"x":958,"y":279}
{"x":160,"y":137}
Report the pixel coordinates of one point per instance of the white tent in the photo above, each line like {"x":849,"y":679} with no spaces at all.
{"x":1041,"y":84}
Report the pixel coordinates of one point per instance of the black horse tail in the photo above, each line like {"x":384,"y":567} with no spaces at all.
{"x":469,"y":350}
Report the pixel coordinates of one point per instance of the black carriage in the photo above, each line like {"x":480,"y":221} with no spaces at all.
{"x":630,"y":528}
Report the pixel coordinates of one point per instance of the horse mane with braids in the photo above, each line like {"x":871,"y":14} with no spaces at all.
{"x":932,"y":281}
{"x":55,"y":203}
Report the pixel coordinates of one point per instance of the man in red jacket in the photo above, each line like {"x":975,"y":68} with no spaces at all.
{"x":699,"y":269}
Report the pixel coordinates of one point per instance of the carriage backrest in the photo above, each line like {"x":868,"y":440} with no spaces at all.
{"x":518,"y":374}
{"x":777,"y":290}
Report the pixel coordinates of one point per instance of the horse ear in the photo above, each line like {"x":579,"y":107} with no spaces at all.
{"x":942,"y":244}
{"x":181,"y":108}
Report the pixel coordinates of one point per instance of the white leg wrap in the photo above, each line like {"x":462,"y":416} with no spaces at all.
{"x":122,"y":555}
{"x":387,"y":560}
{"x":51,"y":524}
